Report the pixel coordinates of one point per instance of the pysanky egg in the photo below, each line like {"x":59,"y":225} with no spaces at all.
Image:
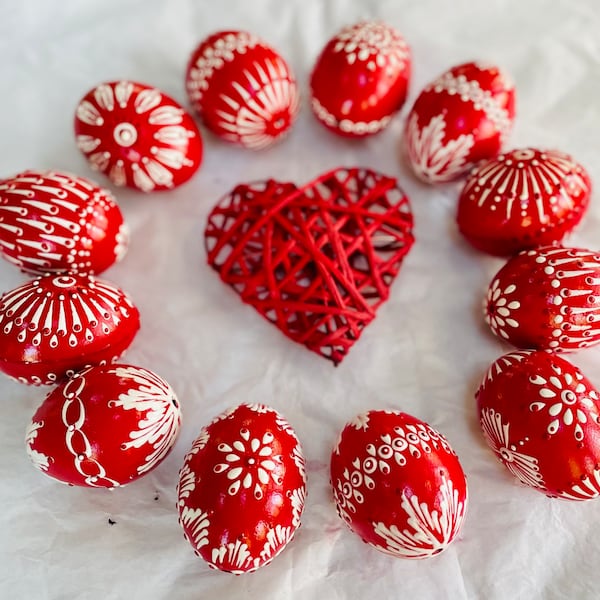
{"x":242,"y":89}
{"x":459,"y":119}
{"x":137,"y":136}
{"x":541,"y":417}
{"x":360,"y":79}
{"x":398,"y":484}
{"x":53,"y":222}
{"x":547,"y":299}
{"x":522,"y":199}
{"x":55,"y":325}
{"x":241,"y":489}
{"x":104,"y":427}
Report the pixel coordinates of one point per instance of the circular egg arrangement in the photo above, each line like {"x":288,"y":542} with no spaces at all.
{"x":396,"y":482}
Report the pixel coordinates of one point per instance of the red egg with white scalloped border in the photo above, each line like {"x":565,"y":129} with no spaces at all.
{"x":56,"y":325}
{"x":522,"y":199}
{"x":242,"y":89}
{"x":459,"y":119}
{"x":241,"y":489}
{"x":547,"y":299}
{"x":360,"y":79}
{"x":105,"y":427}
{"x":137,"y":136}
{"x":541,"y":417}
{"x":54,"y":222}
{"x":398,"y":484}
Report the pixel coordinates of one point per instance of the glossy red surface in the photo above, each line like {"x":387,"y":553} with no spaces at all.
{"x":104,"y":427}
{"x":137,"y":136}
{"x":242,"y":89}
{"x":55,"y":325}
{"x":459,"y":119}
{"x":57,"y":222}
{"x":398,"y":484}
{"x":241,"y":489}
{"x":522,"y":199}
{"x":360,"y":79}
{"x":540,"y":415}
{"x":547,"y":299}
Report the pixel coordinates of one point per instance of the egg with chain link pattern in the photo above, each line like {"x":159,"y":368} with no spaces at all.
{"x":241,"y":489}
{"x":398,"y":484}
{"x":105,"y":427}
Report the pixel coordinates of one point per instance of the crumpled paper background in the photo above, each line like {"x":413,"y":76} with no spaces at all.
{"x":424,"y":354}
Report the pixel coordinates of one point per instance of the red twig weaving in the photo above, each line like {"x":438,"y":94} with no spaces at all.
{"x":316,"y":261}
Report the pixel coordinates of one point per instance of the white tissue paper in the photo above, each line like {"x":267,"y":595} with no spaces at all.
{"x":425,"y":353}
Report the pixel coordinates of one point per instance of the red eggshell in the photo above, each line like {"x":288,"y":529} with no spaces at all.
{"x":242,"y":89}
{"x":137,"y":136}
{"x":104,"y":427}
{"x":55,"y":325}
{"x":52,"y":222}
{"x":361,"y":78}
{"x":522,"y":199}
{"x":398,"y":484}
{"x":242,"y":488}
{"x":461,"y":118}
{"x":541,"y":416}
{"x":547,"y":299}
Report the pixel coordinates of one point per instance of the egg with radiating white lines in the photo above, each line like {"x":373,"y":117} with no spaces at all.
{"x":53,"y":222}
{"x":398,"y":484}
{"x":462,"y":117}
{"x":56,"y":325}
{"x":241,"y":489}
{"x":242,"y":89}
{"x":137,"y":136}
{"x":522,"y":199}
{"x":360,"y":79}
{"x":541,"y":417}
{"x":547,"y":299}
{"x":104,"y":427}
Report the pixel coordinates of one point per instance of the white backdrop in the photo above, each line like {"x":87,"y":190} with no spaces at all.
{"x":424,"y":354}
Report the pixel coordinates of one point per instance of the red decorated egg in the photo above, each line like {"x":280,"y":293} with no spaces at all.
{"x":361,"y":78}
{"x":461,"y":118}
{"x":55,"y":325}
{"x":547,"y":299}
{"x":541,"y":417}
{"x":522,"y":199}
{"x":242,"y":89}
{"x":242,"y":488}
{"x":57,"y":222}
{"x":137,"y":136}
{"x":398,"y":484}
{"x":104,"y":427}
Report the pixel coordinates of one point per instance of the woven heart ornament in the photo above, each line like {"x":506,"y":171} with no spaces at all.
{"x":316,"y":261}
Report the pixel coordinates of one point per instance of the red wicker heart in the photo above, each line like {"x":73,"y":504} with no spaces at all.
{"x":316,"y":261}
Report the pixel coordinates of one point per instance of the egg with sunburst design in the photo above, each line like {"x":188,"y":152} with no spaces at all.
{"x":522,"y":199}
{"x":398,"y":484}
{"x":56,"y":325}
{"x":360,"y":79}
{"x":241,"y":489}
{"x":104,"y":427}
{"x":242,"y":89}
{"x":137,"y":136}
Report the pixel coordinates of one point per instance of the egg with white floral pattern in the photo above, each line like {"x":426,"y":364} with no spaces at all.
{"x":541,"y":417}
{"x":241,"y":489}
{"x":398,"y":484}
{"x":105,"y":427}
